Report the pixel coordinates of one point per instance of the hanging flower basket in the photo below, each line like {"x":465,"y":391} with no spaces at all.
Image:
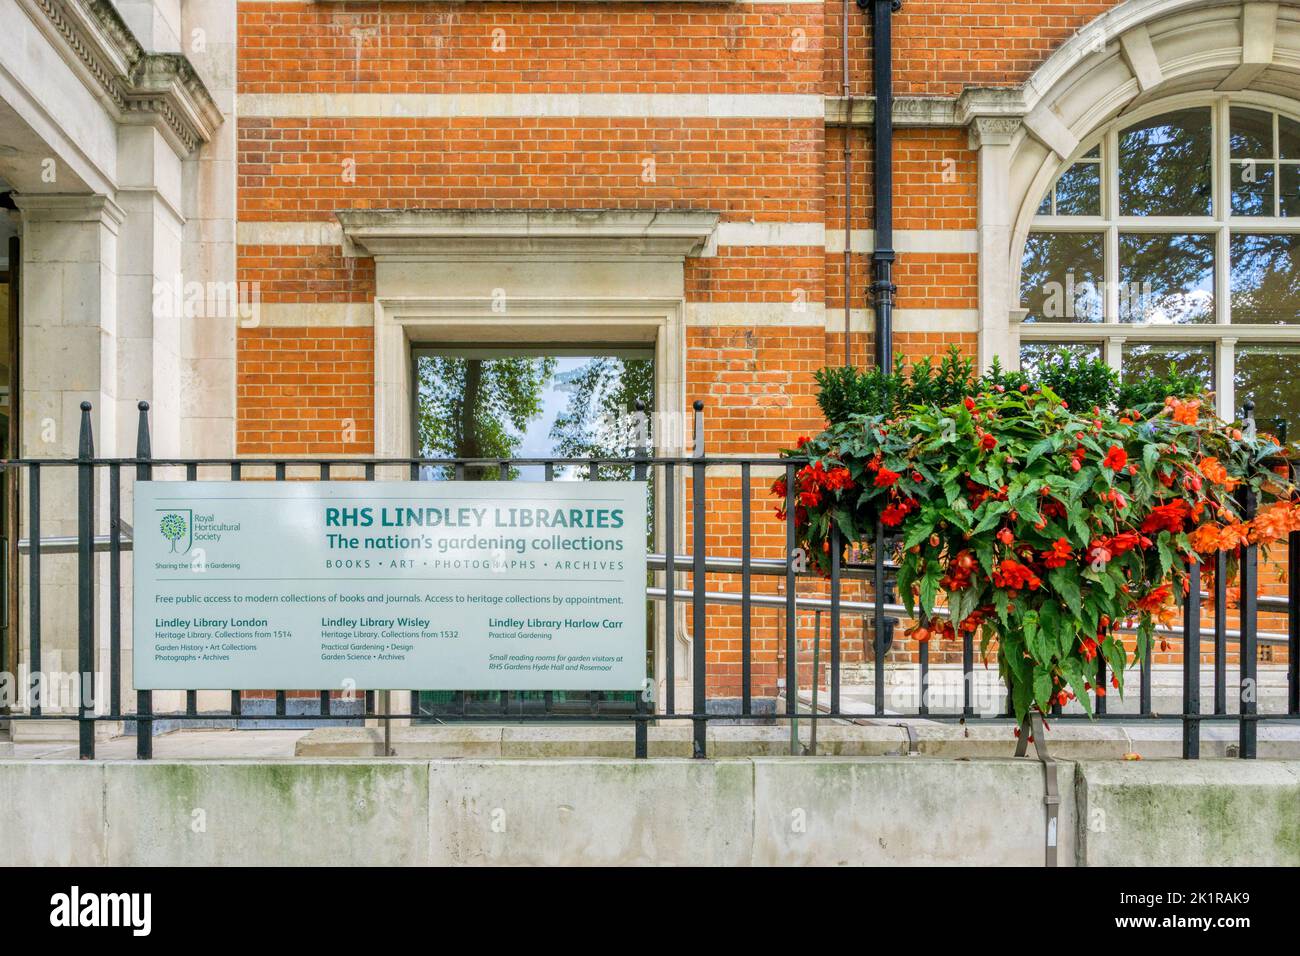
{"x":1044,"y":529}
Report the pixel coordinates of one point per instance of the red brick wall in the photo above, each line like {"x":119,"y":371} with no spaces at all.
{"x":304,"y":391}
{"x":298,"y":169}
{"x":543,"y":47}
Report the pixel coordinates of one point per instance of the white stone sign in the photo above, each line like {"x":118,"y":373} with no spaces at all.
{"x":390,"y":585}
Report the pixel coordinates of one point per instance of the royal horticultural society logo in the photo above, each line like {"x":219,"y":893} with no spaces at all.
{"x":176,"y":527}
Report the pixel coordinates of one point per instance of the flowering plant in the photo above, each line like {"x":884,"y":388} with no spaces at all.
{"x":1046,"y":528}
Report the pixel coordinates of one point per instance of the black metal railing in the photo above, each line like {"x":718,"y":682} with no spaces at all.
{"x":878,"y":617}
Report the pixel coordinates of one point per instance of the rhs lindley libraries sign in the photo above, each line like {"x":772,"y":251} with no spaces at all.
{"x":390,"y":585}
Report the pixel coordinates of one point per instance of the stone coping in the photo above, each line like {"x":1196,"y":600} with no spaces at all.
{"x":932,"y":739}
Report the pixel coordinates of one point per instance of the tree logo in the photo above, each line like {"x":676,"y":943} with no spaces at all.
{"x":174,"y":526}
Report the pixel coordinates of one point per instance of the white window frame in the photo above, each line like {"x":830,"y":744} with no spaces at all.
{"x":1110,"y":333}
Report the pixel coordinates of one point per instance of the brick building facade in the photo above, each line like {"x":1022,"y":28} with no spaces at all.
{"x":390,"y":177}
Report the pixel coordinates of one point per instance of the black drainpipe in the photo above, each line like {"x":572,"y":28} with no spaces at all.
{"x":882,"y":258}
{"x":882,"y":286}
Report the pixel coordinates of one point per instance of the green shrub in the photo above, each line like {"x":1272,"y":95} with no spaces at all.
{"x":952,"y":381}
{"x":844,"y":391}
{"x":1144,"y":392}
{"x":997,"y":375}
{"x":1082,"y":382}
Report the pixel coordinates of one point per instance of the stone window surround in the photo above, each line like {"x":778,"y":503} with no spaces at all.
{"x":640,"y":252}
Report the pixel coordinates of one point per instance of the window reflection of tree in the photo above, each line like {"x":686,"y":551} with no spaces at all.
{"x":1033,"y":354}
{"x":1267,"y":375}
{"x":1078,"y":191}
{"x":1144,"y":360}
{"x":1166,"y":278}
{"x":1265,"y":279}
{"x":476,"y":407}
{"x":1061,"y":277}
{"x":603,"y":395}
{"x":1164,"y":165}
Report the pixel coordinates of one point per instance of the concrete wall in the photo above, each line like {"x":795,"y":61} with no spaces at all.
{"x":784,"y":811}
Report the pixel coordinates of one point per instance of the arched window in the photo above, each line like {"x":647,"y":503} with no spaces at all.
{"x":1174,"y":236}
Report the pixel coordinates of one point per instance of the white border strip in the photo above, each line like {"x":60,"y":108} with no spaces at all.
{"x":493,"y":105}
{"x":755,"y":315}
{"x":775,"y":234}
{"x":771,"y":234}
{"x":698,"y":315}
{"x":951,"y":241}
{"x":308,"y":315}
{"x":289,"y":234}
{"x":909,"y":320}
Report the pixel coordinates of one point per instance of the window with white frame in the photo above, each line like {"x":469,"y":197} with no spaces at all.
{"x":1174,"y":237}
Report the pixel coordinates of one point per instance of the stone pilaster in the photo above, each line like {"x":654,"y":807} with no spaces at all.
{"x":992,"y":137}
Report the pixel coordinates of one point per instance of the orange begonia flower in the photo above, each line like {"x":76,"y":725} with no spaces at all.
{"x":1185,"y":413}
{"x":1213,"y":469}
{"x":1213,"y":537}
{"x":1275,"y":522}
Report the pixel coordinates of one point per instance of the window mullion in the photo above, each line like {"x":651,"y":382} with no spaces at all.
{"x":1224,"y":377}
{"x":1277,"y":166}
{"x":1113,"y":350}
{"x":1222,"y":277}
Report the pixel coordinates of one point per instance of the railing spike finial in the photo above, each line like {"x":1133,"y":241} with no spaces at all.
{"x":699,"y":429}
{"x":143,"y":447}
{"x":1248,"y":417}
{"x":86,"y":442}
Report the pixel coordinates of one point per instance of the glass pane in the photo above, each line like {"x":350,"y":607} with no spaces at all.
{"x":1078,"y":191}
{"x":1061,"y":277}
{"x":1265,"y":279}
{"x":1288,"y":134}
{"x":1290,"y":190}
{"x":493,"y":404}
{"x":1032,"y":354}
{"x":1045,"y":207}
{"x":1252,"y":134}
{"x":1166,"y":279}
{"x":554,"y":403}
{"x":1266,"y":375}
{"x":1094,"y":153}
{"x":1164,"y":165}
{"x":1252,"y":189}
{"x":1148,"y":360}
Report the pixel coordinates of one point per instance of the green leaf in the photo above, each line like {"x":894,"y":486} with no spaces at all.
{"x":1050,"y":621}
{"x":921,"y":531}
{"x":1076,"y":680}
{"x":1166,"y":552}
{"x":1066,"y":583}
{"x":906,"y":576}
{"x":930,"y":588}
{"x":1051,"y":443}
{"x":1150,"y":456}
{"x":992,"y":516}
{"x":1043,"y":688}
{"x":1036,"y":640}
{"x":1000,"y":603}
{"x":1021,"y":697}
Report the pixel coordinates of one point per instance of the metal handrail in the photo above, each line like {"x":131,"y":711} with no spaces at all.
{"x":735,"y":598}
